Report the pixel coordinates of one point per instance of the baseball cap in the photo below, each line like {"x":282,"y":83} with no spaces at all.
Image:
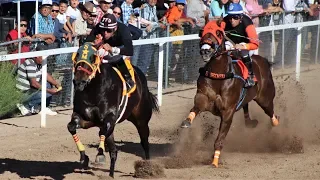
{"x":107,"y":1}
{"x":181,"y":2}
{"x":108,"y":21}
{"x":235,"y":9}
{"x":46,"y":3}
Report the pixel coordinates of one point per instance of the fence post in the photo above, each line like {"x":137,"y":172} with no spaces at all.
{"x":19,"y":31}
{"x":283,"y":39}
{"x":272,"y":40}
{"x":317,"y":46}
{"x":160,"y":74}
{"x":167,"y":58}
{"x":43,"y":91}
{"x":298,"y":54}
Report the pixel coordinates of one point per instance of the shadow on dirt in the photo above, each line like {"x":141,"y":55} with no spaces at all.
{"x":156,"y":150}
{"x":33,"y":169}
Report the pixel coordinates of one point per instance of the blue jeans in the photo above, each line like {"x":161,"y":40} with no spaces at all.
{"x":135,"y":57}
{"x":35,"y":99}
{"x":145,"y":57}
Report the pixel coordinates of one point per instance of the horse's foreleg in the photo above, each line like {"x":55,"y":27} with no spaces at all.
{"x":250,"y":123}
{"x":101,"y":158}
{"x":226,"y":120}
{"x":106,"y":131}
{"x":72,"y":128}
{"x":201,"y":103}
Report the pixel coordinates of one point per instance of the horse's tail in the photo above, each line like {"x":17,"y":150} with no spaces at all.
{"x":151,"y":99}
{"x":270,"y":63}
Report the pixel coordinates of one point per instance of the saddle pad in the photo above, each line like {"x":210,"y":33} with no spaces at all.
{"x":244,"y":70}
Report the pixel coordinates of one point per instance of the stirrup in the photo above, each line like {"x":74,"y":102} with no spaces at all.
{"x":250,"y":81}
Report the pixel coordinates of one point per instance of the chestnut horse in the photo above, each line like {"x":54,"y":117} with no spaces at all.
{"x":221,"y":86}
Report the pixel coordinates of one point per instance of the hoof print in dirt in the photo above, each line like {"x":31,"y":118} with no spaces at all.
{"x":148,"y":169}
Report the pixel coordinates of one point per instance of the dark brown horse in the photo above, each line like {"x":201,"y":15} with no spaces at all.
{"x":220,"y":87}
{"x":101,"y":100}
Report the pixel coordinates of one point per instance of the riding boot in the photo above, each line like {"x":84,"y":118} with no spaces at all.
{"x":248,"y":62}
{"x":126,"y":74}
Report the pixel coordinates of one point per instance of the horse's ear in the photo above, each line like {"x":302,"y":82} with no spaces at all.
{"x":74,"y":57}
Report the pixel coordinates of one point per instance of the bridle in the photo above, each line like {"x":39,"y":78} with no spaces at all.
{"x":85,"y":58}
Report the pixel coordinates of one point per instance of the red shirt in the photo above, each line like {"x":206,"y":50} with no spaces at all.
{"x":13,"y":35}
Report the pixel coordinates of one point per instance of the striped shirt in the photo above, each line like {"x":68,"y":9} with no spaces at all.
{"x":26,"y":71}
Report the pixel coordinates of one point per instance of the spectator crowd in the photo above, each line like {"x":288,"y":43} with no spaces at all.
{"x":68,"y":22}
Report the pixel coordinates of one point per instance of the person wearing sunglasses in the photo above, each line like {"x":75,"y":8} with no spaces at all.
{"x":115,"y":39}
{"x":13,"y":35}
{"x":55,"y":10}
{"x":244,"y":35}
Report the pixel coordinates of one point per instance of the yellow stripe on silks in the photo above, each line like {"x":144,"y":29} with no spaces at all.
{"x":80,"y":146}
{"x":101,"y":145}
{"x":122,"y":79}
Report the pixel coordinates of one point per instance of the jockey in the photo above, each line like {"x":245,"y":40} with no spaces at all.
{"x":244,"y":36}
{"x":115,"y":40}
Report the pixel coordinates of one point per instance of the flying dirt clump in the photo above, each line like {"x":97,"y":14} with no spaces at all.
{"x":192,"y":147}
{"x":148,"y":169}
{"x":292,"y":145}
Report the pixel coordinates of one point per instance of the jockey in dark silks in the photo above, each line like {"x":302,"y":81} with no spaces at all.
{"x":115,"y":40}
{"x":244,"y":36}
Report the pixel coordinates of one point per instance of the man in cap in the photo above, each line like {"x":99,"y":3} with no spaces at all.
{"x":45,"y":23}
{"x":247,"y":42}
{"x":87,"y":10}
{"x":246,"y":39}
{"x":117,"y":40}
{"x":104,"y":7}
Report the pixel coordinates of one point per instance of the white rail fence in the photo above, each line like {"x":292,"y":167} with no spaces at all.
{"x":161,"y":42}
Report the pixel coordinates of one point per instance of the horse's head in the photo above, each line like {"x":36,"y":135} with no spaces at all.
{"x":85,"y":63}
{"x":212,"y":40}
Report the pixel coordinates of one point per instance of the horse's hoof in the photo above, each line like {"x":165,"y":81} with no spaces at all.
{"x":185,"y":124}
{"x":251,"y":123}
{"x":275,"y":120}
{"x":85,"y":162}
{"x":111,"y":174}
{"x":101,"y":159}
{"x":215,"y":165}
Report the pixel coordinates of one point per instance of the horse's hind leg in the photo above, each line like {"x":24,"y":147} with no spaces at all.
{"x":250,"y":123}
{"x":267,"y":106}
{"x":113,"y":153}
{"x":143,"y":130}
{"x":76,"y":122}
{"x":200,"y":104}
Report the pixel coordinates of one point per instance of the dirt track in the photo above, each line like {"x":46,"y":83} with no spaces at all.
{"x":290,"y":151}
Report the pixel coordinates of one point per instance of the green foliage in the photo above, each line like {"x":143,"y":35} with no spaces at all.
{"x":9,"y":95}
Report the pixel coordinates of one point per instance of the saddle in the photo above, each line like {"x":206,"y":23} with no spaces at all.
{"x":228,"y":75}
{"x":120,"y":74}
{"x":231,"y":74}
